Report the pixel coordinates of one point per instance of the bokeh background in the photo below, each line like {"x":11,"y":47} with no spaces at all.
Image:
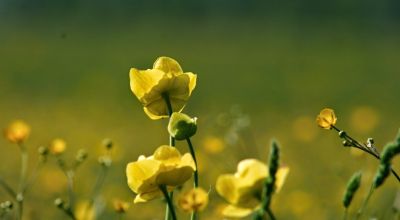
{"x":265,"y":69}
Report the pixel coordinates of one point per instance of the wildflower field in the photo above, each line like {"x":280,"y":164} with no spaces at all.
{"x":199,"y":110}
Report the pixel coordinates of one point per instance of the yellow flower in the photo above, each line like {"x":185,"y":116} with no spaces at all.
{"x":17,"y":132}
{"x":120,"y":206}
{"x":195,"y":199}
{"x":58,"y":146}
{"x":243,"y":190}
{"x":326,"y":118}
{"x":85,"y":211}
{"x":165,"y":167}
{"x":166,"y":78}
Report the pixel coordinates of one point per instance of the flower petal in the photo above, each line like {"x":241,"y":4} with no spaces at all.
{"x":143,"y":82}
{"x":251,"y":170}
{"x":167,"y":65}
{"x":141,"y":175}
{"x":281,"y":177}
{"x":175,"y":176}
{"x":326,"y":118}
{"x":147,"y":196}
{"x":232,"y":211}
{"x":167,"y":155}
{"x":227,"y":186}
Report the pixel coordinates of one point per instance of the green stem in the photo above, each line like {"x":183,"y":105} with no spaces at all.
{"x":7,"y":188}
{"x":270,"y":214}
{"x":356,"y":144}
{"x":22,"y":179}
{"x":33,"y":177}
{"x":365,"y":202}
{"x":170,"y":111}
{"x":70,"y":182}
{"x":170,"y":204}
{"x":346,"y":211}
{"x":96,"y":189}
{"x":196,"y":172}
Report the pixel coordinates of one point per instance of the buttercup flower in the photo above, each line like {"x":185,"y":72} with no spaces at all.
{"x":326,"y":118}
{"x":165,"y":79}
{"x":165,"y":167}
{"x":57,"y":146}
{"x":243,"y":190}
{"x":195,"y":200}
{"x":17,"y":132}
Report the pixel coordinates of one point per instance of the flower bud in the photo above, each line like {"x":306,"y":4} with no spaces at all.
{"x":326,"y":118}
{"x":43,"y":151}
{"x":108,"y":143}
{"x":352,"y":187}
{"x":181,"y":126}
{"x":193,"y":200}
{"x":59,"y":203}
{"x":6,"y":205}
{"x":105,"y":161}
{"x":17,"y":132}
{"x":81,"y":155}
{"x":57,"y":146}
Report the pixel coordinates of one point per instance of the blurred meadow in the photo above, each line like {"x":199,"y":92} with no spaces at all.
{"x":265,"y":69}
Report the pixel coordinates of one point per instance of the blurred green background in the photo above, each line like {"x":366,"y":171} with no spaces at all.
{"x":265,"y":70}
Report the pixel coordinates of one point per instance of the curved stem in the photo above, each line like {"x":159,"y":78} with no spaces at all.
{"x":170,"y":111}
{"x":356,"y":144}
{"x":192,"y":152}
{"x":170,"y":204}
{"x":96,"y":189}
{"x":346,"y":211}
{"x":365,"y":202}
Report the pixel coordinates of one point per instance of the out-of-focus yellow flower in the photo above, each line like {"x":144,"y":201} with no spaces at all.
{"x":120,"y":206}
{"x":166,"y":78}
{"x":195,"y":200}
{"x":213,"y":145}
{"x":85,"y":211}
{"x":326,"y":118}
{"x":243,"y":190}
{"x":165,"y":167}
{"x":17,"y":132}
{"x":57,"y":146}
{"x":364,"y":119}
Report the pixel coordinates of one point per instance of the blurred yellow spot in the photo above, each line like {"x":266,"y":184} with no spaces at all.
{"x":300,"y":202}
{"x":303,"y":129}
{"x":52,"y":180}
{"x":195,"y":199}
{"x":356,"y":152}
{"x":364,"y":119}
{"x":213,"y":145}
{"x":57,"y":146}
{"x":326,"y":118}
{"x":17,"y":131}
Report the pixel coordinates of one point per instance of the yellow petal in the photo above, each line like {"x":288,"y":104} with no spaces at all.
{"x":141,"y":175}
{"x":167,"y":155}
{"x":192,"y":82}
{"x":143,"y":81}
{"x":326,"y":118}
{"x":147,"y":196}
{"x":17,"y":132}
{"x":174,"y":177}
{"x":251,"y":170}
{"x":167,"y":65}
{"x":187,"y":160}
{"x":227,"y":186}
{"x":232,"y":211}
{"x":281,"y":177}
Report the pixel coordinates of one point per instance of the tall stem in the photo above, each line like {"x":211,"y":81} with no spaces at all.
{"x":192,"y":152}
{"x":356,"y":144}
{"x":270,"y":214}
{"x":22,"y":179}
{"x":170,"y":204}
{"x":170,"y":111}
{"x":365,"y":202}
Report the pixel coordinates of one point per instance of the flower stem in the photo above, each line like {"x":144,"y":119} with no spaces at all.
{"x":270,"y":214}
{"x":96,"y":189}
{"x":20,"y":193}
{"x":170,"y":111}
{"x":170,"y":204}
{"x":7,"y":188}
{"x":356,"y":144}
{"x":192,"y":152}
{"x":365,"y":202}
{"x":346,"y":211}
